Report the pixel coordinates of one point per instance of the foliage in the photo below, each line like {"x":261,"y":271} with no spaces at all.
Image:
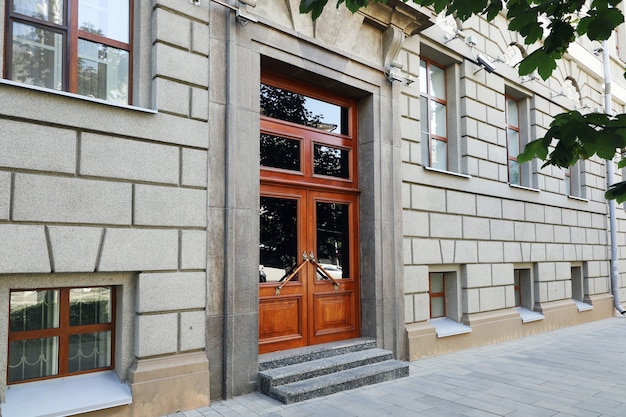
{"x":550,"y":26}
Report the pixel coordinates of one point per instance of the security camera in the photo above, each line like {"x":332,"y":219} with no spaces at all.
{"x":485,"y":63}
{"x":393,"y":71}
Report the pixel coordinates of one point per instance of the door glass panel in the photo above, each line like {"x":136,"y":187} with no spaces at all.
{"x":297,"y":108}
{"x":279,"y":152}
{"x":333,"y":241}
{"x":330,"y":161}
{"x":279,"y":239}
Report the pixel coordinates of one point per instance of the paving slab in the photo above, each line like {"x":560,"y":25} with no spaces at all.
{"x":575,"y":371}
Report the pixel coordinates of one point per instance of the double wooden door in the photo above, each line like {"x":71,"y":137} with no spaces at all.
{"x":309,"y":206}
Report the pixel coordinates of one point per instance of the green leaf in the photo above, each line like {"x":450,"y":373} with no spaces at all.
{"x":533,"y":149}
{"x":616,"y":192}
{"x":601,"y":27}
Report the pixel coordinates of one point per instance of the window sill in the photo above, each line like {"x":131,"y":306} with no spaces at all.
{"x":573,"y":197}
{"x":529,"y":316}
{"x":77,"y":96}
{"x":521,"y":187}
{"x":446,"y":327}
{"x":582,"y":306}
{"x":66,"y":396}
{"x":440,"y":171}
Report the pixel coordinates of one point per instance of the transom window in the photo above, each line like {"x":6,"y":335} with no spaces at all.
{"x":59,"y":332}
{"x":434,"y":116}
{"x":79,"y":46}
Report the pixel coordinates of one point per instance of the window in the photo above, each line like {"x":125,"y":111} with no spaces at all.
{"x":524,"y":295}
{"x":79,"y":46}
{"x":513,"y":141}
{"x":60,"y":332}
{"x":580,"y":289}
{"x":434,"y":113}
{"x":437,"y":295}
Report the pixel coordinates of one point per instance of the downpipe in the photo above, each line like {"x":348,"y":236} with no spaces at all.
{"x":610,"y":178}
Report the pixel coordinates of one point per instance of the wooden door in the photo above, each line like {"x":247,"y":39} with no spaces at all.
{"x":309,"y":238}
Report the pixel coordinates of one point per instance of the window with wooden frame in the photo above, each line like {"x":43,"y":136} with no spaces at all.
{"x":437,"y":295}
{"x":513,"y":141}
{"x":517,"y":287}
{"x":434,"y":113}
{"x":78,"y":46}
{"x":59,"y":332}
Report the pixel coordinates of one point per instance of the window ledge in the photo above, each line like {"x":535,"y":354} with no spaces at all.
{"x":440,"y":171}
{"x":582,"y":306}
{"x":529,"y":315}
{"x":66,"y":396}
{"x":446,"y":327}
{"x":521,"y":187}
{"x":76,"y":96}
{"x":573,"y":197}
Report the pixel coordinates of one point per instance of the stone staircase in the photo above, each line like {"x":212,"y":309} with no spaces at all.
{"x":314,"y":371}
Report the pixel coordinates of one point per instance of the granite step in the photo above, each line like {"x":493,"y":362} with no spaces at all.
{"x":318,"y":367}
{"x":313,"y":371}
{"x":340,"y":381}
{"x":290,"y":357}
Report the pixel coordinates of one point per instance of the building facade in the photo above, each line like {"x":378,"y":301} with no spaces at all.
{"x":156,"y":156}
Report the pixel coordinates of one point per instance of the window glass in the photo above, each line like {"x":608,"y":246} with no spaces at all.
{"x":51,"y":10}
{"x":34,"y":310}
{"x":102,"y":71}
{"x":280,"y":152}
{"x":90,"y":306}
{"x":103,"y":17}
{"x":514,"y":173}
{"x":438,"y":119}
{"x":331,"y":161}
{"x":37,"y":56}
{"x":279,"y":239}
{"x":513,"y":139}
{"x":423,"y":77}
{"x":297,"y":108}
{"x":437,"y":79}
{"x":33,"y":358}
{"x":436,"y":282}
{"x":439,"y":154}
{"x":513,"y":114}
{"x":89,"y":351}
{"x":437,"y":307}
{"x":333,"y":239}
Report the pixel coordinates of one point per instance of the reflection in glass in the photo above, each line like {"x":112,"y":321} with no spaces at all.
{"x":330,"y":161}
{"x":33,"y":358}
{"x":50,"y":10}
{"x":34,"y":310}
{"x":437,"y":80}
{"x":514,"y":172}
{"x":280,"y":152}
{"x":90,"y":306}
{"x":513,"y":140}
{"x":105,"y":18}
{"x":89,"y":351}
{"x":37,"y":56}
{"x":102,"y":71}
{"x":512,"y":112}
{"x":333,"y":236}
{"x":297,"y":108}
{"x":438,"y":119}
{"x":423,"y":78}
{"x":439,"y":154}
{"x":278,"y":247}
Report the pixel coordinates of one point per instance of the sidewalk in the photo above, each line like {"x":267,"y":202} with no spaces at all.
{"x":576,"y":371}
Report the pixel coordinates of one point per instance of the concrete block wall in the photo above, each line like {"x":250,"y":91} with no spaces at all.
{"x":119,"y":189}
{"x":476,"y":221}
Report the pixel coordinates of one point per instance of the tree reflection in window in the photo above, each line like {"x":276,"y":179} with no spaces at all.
{"x":278,"y":240}
{"x":280,"y":152}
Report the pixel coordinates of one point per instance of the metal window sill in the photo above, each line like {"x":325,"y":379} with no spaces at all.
{"x":441,"y":171}
{"x":446,"y":327}
{"x":66,"y":396}
{"x":529,"y":316}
